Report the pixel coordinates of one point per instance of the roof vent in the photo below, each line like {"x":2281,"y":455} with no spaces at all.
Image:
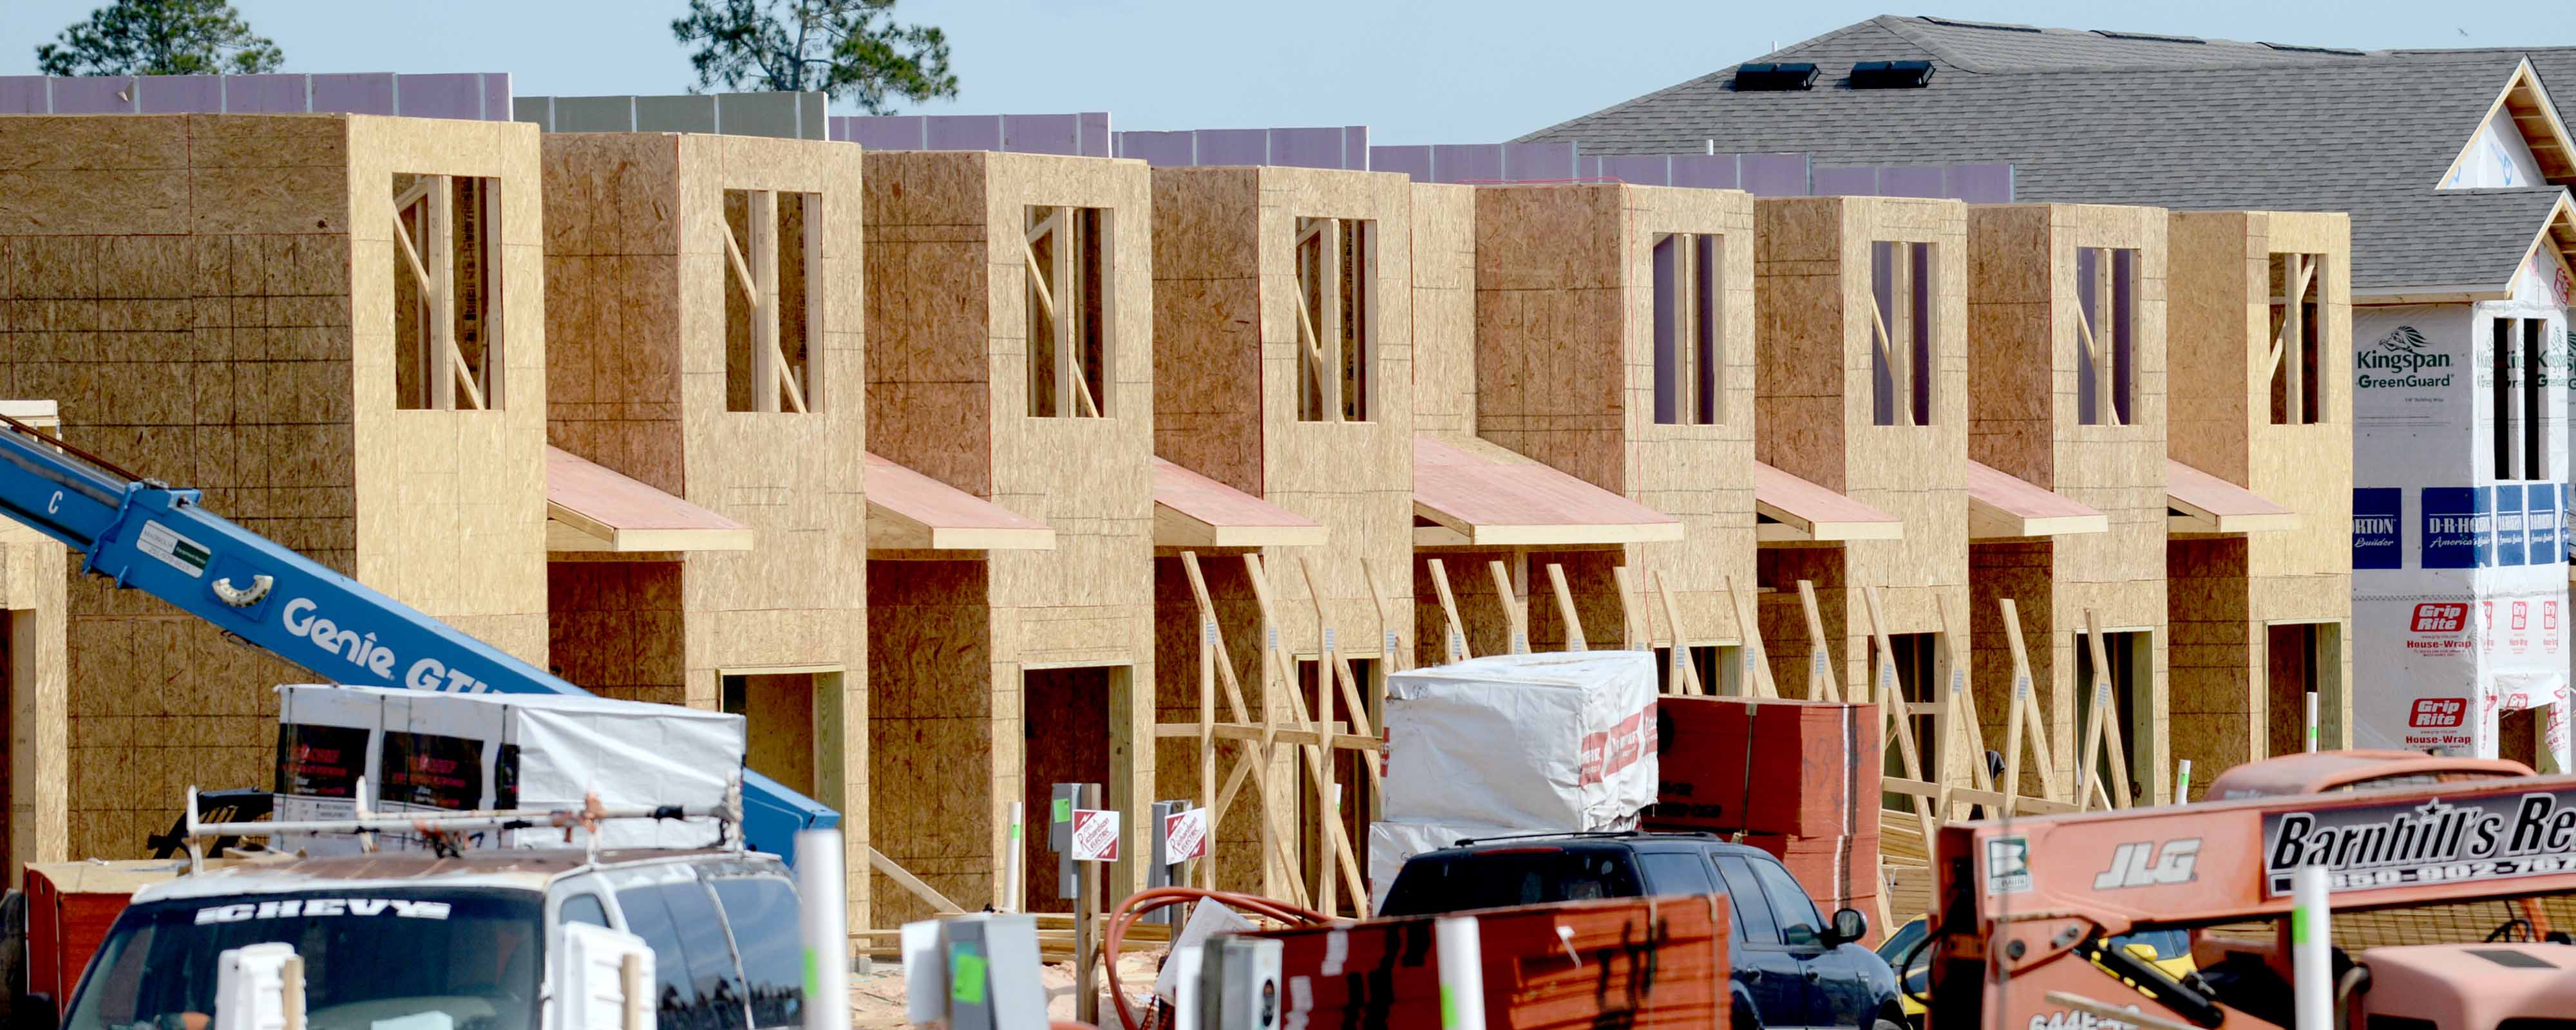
{"x":2150,"y":37}
{"x":1891,"y":74}
{"x":1995,"y":25}
{"x":1766,"y":77}
{"x":2296,"y":48}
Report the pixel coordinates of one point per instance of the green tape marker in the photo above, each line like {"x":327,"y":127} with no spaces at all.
{"x":1448,"y":1007}
{"x":813,"y":976}
{"x":2299,"y":926}
{"x":965,"y":976}
{"x":1015,"y":831}
{"x":1064,"y":810}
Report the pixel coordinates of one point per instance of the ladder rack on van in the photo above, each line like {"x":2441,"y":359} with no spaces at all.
{"x":588,"y":815}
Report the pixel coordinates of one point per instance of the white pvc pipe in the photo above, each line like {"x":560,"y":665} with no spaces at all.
{"x":825,"y":926}
{"x":2312,"y":720}
{"x":2311,"y":949}
{"x":1012,"y":856}
{"x":2182,"y":784}
{"x":1461,"y":953}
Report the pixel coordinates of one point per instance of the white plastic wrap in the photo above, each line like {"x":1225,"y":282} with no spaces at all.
{"x":1560,"y":741}
{"x":531,"y":750}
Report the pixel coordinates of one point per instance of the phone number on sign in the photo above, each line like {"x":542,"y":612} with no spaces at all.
{"x":2440,"y":872}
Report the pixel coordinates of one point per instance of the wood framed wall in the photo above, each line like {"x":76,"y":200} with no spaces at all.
{"x":2226,"y":590}
{"x":1813,"y":418}
{"x":950,"y":643}
{"x":640,"y":291}
{"x":1230,"y":344}
{"x":217,"y":297}
{"x":34,"y":677}
{"x":2029,"y":336}
{"x":1564,"y":352}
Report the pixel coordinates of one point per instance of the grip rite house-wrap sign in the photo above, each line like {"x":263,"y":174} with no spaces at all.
{"x":2459,"y":536}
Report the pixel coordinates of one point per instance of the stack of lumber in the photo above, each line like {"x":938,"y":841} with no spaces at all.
{"x":1799,"y":779}
{"x":1631,"y":962}
{"x":1905,"y":863}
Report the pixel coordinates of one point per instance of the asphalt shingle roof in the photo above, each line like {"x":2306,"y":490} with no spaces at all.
{"x":2088,"y":117}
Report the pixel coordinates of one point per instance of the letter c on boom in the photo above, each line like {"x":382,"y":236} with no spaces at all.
{"x":54,"y":504}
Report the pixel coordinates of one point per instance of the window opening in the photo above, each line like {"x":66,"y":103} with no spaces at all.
{"x":2298,"y":393}
{"x":773,"y":317}
{"x":1336,"y":319}
{"x":2105,"y":335}
{"x":447,"y":310}
{"x":1901,"y":338}
{"x":2515,"y":377}
{"x":1068,"y":251}
{"x":1686,"y":328}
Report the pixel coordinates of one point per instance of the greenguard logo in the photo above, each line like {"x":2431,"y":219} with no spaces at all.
{"x":2400,"y":360}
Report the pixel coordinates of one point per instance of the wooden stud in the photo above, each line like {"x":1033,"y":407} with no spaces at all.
{"x":762,"y":230}
{"x":1515,"y":617}
{"x":2098,"y":702}
{"x":1685,"y":674}
{"x":1257,"y":759}
{"x":1565,"y":608}
{"x":1820,"y":659}
{"x":1961,"y":705}
{"x":1890,"y":698}
{"x":1757,"y":662}
{"x":2023,"y":719}
{"x":1315,"y":765}
{"x":437,"y":228}
{"x":1398,"y":657}
{"x":1339,"y":670}
{"x":1456,"y":645}
{"x":1630,"y":611}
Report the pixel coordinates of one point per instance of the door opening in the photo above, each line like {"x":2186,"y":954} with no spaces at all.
{"x":2299,"y":657}
{"x":778,"y":712}
{"x":2131,"y":654}
{"x":1917,"y":657}
{"x":1065,"y":730}
{"x":1315,"y":852}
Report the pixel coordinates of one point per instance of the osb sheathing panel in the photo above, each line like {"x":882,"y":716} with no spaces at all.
{"x":2221,"y":285}
{"x":32,"y":669}
{"x":1227,"y":354}
{"x":1813,"y":418}
{"x":1444,"y":308}
{"x":1565,"y":341}
{"x":212,"y":307}
{"x":2025,"y":353}
{"x":947,"y":373}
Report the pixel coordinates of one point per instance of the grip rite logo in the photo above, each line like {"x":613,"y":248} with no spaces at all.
{"x":2438,"y":713}
{"x":2441,"y":617}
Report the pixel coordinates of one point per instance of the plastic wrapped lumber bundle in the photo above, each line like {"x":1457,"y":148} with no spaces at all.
{"x":1552,"y":742}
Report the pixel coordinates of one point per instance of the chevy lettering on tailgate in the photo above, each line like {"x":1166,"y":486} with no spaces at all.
{"x":2376,"y":847}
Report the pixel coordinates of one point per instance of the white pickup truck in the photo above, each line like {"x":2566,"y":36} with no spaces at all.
{"x":486,"y":940}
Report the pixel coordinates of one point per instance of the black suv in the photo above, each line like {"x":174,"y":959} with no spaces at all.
{"x":1792,"y":968}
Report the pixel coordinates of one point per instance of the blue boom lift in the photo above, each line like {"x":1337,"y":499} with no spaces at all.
{"x":147,"y":535}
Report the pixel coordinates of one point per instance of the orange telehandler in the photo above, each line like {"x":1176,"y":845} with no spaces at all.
{"x":2027,"y":904}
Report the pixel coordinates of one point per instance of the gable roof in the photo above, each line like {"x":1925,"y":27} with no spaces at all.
{"x":2086,"y":116}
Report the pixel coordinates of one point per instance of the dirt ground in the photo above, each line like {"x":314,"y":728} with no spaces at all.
{"x":877,"y":997}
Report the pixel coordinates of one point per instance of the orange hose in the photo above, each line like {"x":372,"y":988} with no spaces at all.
{"x":1142,"y":902}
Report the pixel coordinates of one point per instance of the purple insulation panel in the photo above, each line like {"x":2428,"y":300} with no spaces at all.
{"x":355,"y":94}
{"x":1095,"y":133}
{"x":1846,"y":182}
{"x":1310,"y":148}
{"x":267,"y":94}
{"x":1634,"y":169}
{"x":1532,"y":162}
{"x":1414,"y":161}
{"x":1706,"y":171}
{"x":1467,"y":162}
{"x":496,"y":96}
{"x":179,"y":94}
{"x":439,"y":96}
{"x":1912,"y":181}
{"x":1233,"y":146}
{"x":23,"y":94}
{"x":1160,"y":149}
{"x":1042,"y":134}
{"x":94,"y":95}
{"x":965,"y":132}
{"x":1981,"y":184}
{"x":888,"y":132}
{"x":1774,"y":175}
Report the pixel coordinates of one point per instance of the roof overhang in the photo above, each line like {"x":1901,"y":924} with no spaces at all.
{"x":1471,"y":493}
{"x":2557,"y":233}
{"x":2002,"y":506}
{"x":2200,"y":504}
{"x":2527,"y":103}
{"x":1788,"y":510}
{"x":590,"y":507}
{"x":45,"y":415}
{"x":908,"y":511}
{"x":1191,"y":510}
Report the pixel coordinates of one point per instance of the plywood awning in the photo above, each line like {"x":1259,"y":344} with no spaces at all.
{"x":2197,"y":502}
{"x":1191,"y":510}
{"x":45,"y":415}
{"x":1788,"y":509}
{"x":2004,"y":506}
{"x":908,"y":511}
{"x":590,"y":507}
{"x":1471,"y":493}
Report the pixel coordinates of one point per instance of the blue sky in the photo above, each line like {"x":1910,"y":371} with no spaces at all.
{"x":1415,"y":71}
